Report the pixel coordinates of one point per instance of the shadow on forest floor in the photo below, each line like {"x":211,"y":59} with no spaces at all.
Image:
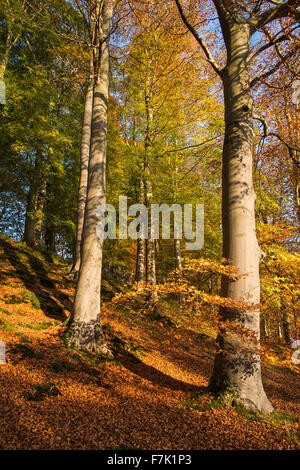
{"x":35,"y":277}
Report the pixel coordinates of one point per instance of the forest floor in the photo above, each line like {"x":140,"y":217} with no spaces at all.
{"x":152,"y":395}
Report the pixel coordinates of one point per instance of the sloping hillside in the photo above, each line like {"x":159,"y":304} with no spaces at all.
{"x":152,"y":395}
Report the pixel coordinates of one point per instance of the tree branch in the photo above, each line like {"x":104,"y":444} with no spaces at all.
{"x":271,"y":43}
{"x":198,"y":38}
{"x":279,"y":53}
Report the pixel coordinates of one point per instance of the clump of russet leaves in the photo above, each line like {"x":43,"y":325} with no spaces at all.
{"x":195,"y":273}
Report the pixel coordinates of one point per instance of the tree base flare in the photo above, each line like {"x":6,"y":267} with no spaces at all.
{"x":237,"y":376}
{"x":248,"y":394}
{"x":88,"y":336}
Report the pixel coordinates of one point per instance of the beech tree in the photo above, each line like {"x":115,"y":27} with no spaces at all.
{"x":84,"y":168}
{"x":85,"y":327}
{"x":237,"y":367}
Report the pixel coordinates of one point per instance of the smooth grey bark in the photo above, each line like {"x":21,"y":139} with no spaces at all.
{"x":50,"y":228}
{"x":84,"y":168}
{"x":140,"y":256}
{"x":278,"y":330}
{"x":264,"y":326}
{"x":177,"y":245}
{"x":85,"y":328}
{"x":140,"y":261}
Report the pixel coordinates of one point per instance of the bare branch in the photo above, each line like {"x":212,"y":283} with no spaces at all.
{"x":190,"y":146}
{"x":198,"y":38}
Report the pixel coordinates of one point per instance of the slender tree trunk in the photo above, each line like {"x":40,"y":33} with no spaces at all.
{"x":3,"y":66}
{"x":140,"y":261}
{"x":85,"y":328}
{"x":177,"y":250}
{"x":150,"y":242}
{"x":278,"y":330}
{"x":4,"y":61}
{"x":286,"y":329}
{"x":140,"y":256}
{"x":29,"y":230}
{"x":265,"y":333}
{"x":84,"y":168}
{"x":50,"y":227}
{"x":237,"y":366}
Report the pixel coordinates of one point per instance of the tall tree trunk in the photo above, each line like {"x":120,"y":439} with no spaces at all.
{"x":50,"y":238}
{"x":41,"y":199}
{"x":237,"y":366}
{"x":50,"y":226}
{"x":140,"y":256}
{"x":3,"y":66}
{"x":85,"y":328}
{"x":150,"y":262}
{"x":278,"y":330}
{"x":150,"y":242}
{"x":264,"y":326}
{"x":177,"y":250}
{"x":84,"y":168}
